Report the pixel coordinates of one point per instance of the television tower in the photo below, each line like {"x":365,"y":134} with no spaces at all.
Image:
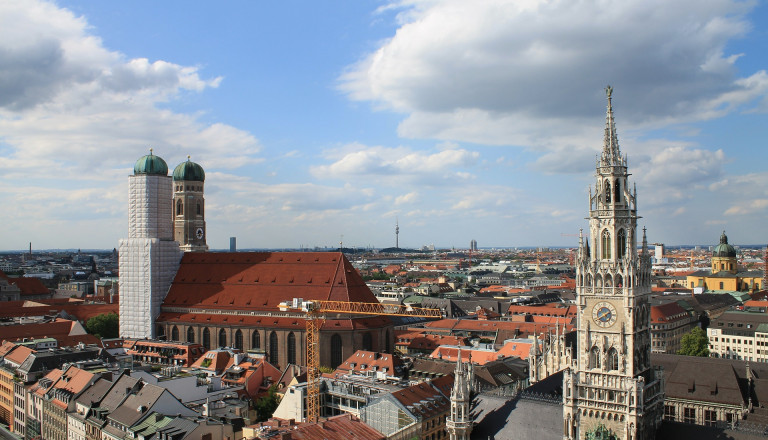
{"x":397,"y":234}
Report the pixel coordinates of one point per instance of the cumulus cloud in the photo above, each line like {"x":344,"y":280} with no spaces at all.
{"x":503,"y":71}
{"x":398,"y":164}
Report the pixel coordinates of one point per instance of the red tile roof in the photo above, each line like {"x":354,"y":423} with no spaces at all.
{"x":364,"y":361}
{"x":667,"y":312}
{"x":261,"y":280}
{"x":28,"y":286}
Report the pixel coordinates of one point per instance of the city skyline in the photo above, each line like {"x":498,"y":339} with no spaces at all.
{"x":455,"y":122}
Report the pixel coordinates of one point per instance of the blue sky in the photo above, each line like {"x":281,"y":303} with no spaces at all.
{"x":462,"y":120}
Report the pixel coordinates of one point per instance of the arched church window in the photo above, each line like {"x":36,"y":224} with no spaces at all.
{"x":179,"y":207}
{"x":606,"y":245}
{"x":239,"y":339}
{"x":291,"y":348}
{"x":617,"y":191}
{"x":199,"y":211}
{"x":619,"y":280}
{"x":594,"y":357}
{"x":387,"y":347}
{"x":589,"y":280}
{"x":273,"y":353}
{"x":174,"y":332}
{"x":190,"y":334}
{"x":607,"y":191}
{"x":222,"y":338}
{"x":612,"y":363}
{"x":367,"y":341}
{"x":206,"y":339}
{"x":608,"y":281}
{"x":598,"y":281}
{"x":621,"y":244}
{"x":255,"y":339}
{"x":336,"y":351}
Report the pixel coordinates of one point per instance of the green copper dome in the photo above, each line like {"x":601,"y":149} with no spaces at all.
{"x":151,"y":164}
{"x":724,"y":249}
{"x":189,"y":171}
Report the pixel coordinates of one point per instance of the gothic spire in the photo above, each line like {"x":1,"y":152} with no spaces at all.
{"x":611,"y":154}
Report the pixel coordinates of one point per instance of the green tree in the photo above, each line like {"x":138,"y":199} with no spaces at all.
{"x":105,"y":325}
{"x":267,"y":405}
{"x":695,"y":343}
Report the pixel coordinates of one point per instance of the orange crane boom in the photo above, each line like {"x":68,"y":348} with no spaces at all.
{"x":315,"y":311}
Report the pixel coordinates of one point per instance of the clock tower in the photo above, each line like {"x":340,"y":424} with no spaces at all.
{"x":189,"y":207}
{"x":612,"y":385}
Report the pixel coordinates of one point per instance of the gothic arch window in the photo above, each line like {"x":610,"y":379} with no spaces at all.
{"x":617,"y":191}
{"x":190,"y":334}
{"x":594,"y":357}
{"x":387,"y":347}
{"x":606,"y":245}
{"x":607,"y":191}
{"x":255,"y":340}
{"x":222,"y":338}
{"x":608,"y":281}
{"x":206,"y":339}
{"x":598,"y":281}
{"x":199,"y":210}
{"x":367,"y":342}
{"x":239,"y":339}
{"x":621,"y":244}
{"x":581,"y":280}
{"x":612,"y":362}
{"x":175,"y":333}
{"x":273,"y":353}
{"x":619,"y":280}
{"x":589,"y":280}
{"x":291,"y":348}
{"x":336,"y":350}
{"x":179,"y":207}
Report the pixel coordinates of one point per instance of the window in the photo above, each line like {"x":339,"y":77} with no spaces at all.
{"x":607,"y":191}
{"x":669,"y":412}
{"x":179,"y":207}
{"x":612,"y":362}
{"x":594,"y":357}
{"x":621,"y":244}
{"x":336,"y":351}
{"x":190,"y":334}
{"x":222,"y":338}
{"x":689,"y":415}
{"x":617,"y":191}
{"x":721,"y":285}
{"x":606,"y":244}
{"x":291,"y":348}
{"x":387,"y":348}
{"x":710,"y":417}
{"x":273,"y":353}
{"x":199,"y":210}
{"x":367,"y":342}
{"x":255,"y":339}
{"x":206,"y":342}
{"x":239,"y":340}
{"x":174,"y":332}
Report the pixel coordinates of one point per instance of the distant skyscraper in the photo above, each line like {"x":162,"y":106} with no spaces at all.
{"x":149,"y":257}
{"x":473,"y":245}
{"x":189,"y":204}
{"x":613,"y":387}
{"x":233,"y":244}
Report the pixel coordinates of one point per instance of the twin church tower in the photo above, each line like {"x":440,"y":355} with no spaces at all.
{"x":166,"y":216}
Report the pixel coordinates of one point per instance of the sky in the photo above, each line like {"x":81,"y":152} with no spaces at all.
{"x":321,"y":122}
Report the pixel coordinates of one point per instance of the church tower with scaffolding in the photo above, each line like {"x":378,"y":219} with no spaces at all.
{"x":612,"y":386}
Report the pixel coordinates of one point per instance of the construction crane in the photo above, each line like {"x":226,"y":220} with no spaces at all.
{"x":315,"y":311}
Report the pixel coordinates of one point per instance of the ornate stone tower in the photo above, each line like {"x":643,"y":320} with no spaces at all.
{"x":149,"y":257}
{"x":189,"y":207}
{"x":612,"y":384}
{"x":459,"y":422}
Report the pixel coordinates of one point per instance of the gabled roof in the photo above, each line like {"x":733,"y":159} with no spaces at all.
{"x":261,"y":280}
{"x":667,"y":312}
{"x":425,"y":399}
{"x":135,"y":407}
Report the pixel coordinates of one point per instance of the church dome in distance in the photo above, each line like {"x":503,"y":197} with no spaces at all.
{"x":724,"y":249}
{"x":151,"y":164}
{"x":189,"y":171}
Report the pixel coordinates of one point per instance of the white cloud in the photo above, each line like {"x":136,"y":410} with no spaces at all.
{"x":399,"y":164}
{"x":507,"y":72}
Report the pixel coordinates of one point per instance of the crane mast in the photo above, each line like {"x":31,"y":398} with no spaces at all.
{"x":315,"y":311}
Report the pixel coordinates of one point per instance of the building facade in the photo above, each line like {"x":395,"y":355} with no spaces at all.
{"x":149,"y":257}
{"x":612,"y":384}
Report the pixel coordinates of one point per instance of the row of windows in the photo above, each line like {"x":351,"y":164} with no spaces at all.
{"x":180,"y":208}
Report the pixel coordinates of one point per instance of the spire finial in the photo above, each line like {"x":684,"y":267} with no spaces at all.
{"x":611,"y":154}
{"x":188,"y":157}
{"x":150,"y":150}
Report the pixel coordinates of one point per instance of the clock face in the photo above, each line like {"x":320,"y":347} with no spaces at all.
{"x":604,"y":314}
{"x":199,"y":233}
